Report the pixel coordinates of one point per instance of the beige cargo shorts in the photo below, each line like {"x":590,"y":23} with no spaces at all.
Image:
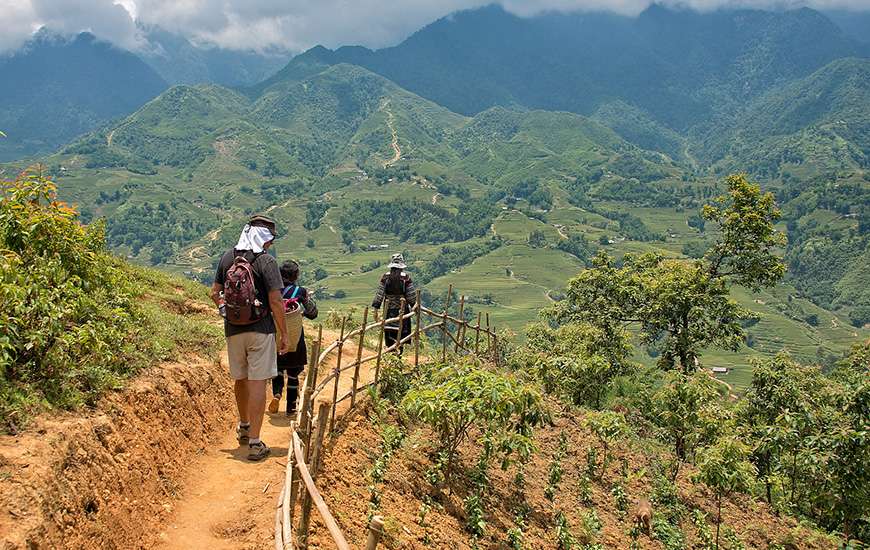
{"x":252,"y":355}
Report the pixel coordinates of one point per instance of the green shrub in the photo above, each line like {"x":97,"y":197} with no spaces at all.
{"x":452,"y":398}
{"x":72,"y":322}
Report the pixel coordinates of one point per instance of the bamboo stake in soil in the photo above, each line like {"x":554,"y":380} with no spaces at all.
{"x":337,"y":374}
{"x":380,"y":349}
{"x":459,"y":333}
{"x":416,"y":331}
{"x":376,"y":529}
{"x":359,"y":350}
{"x":305,"y":516}
{"x":307,"y":410}
{"x":287,"y":495}
{"x":488,"y":336}
{"x":477,"y":335}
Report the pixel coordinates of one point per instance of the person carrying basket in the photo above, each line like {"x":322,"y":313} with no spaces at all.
{"x":298,"y":303}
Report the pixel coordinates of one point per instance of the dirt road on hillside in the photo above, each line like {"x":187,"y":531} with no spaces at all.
{"x":228,"y":502}
{"x":394,"y":143}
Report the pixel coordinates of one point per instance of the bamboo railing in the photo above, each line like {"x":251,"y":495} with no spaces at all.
{"x":309,"y":430}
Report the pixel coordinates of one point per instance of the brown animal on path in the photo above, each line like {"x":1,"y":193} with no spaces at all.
{"x":643,"y":516}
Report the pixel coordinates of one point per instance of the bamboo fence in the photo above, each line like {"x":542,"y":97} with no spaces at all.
{"x":309,"y":430}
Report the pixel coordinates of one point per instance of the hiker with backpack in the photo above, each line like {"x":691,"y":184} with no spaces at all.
{"x":298,"y":303}
{"x":395,"y":285}
{"x":247,"y":290}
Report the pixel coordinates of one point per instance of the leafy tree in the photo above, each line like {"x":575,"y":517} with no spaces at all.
{"x":684,"y":306}
{"x":537,"y":239}
{"x":576,"y":361}
{"x":685,"y":409}
{"x":725,"y":469}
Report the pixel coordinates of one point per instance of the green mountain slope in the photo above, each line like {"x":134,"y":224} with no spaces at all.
{"x":55,"y":89}
{"x":505,"y":206}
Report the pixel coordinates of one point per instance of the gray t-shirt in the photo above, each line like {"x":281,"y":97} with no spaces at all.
{"x":267,"y":277}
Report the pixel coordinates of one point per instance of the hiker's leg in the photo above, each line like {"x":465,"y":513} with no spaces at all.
{"x":256,"y":405}
{"x":237,"y":356}
{"x":240,"y":388}
{"x":293,"y":387}
{"x":278,"y":385}
{"x":262,"y":368}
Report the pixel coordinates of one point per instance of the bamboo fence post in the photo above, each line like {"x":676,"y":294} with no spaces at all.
{"x":295,"y":481}
{"x":459,"y":328}
{"x":380,"y":350}
{"x":376,"y":529}
{"x":444,"y":328}
{"x":417,"y":330}
{"x":305,"y":515}
{"x":359,"y":351}
{"x":337,"y":374}
{"x":477,"y":335}
{"x":488,"y":336}
{"x":287,"y":491}
{"x":310,"y":381}
{"x":445,"y":336}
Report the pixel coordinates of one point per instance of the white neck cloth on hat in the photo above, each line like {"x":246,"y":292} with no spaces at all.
{"x":253,"y":238}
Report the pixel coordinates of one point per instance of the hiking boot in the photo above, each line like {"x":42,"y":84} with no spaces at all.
{"x":242,"y":434}
{"x":258,"y":451}
{"x":273,"y":404}
{"x":291,"y":411}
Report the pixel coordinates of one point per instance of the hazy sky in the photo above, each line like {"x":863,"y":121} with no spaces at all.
{"x":298,"y":24}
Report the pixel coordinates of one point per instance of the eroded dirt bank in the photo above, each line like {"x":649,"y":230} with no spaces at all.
{"x":107,"y":479}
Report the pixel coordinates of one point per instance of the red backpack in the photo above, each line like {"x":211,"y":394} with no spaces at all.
{"x":240,"y":294}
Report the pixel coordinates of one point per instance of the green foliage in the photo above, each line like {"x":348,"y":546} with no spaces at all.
{"x":314,"y":214}
{"x":577,"y":361}
{"x":71,"y":316}
{"x":687,"y":411}
{"x":608,"y":427}
{"x":620,"y":499}
{"x":418,"y":221}
{"x":554,"y":474}
{"x":725,"y":468}
{"x":682,"y":306}
{"x":745,"y":250}
{"x":452,"y":398}
{"x":565,"y":539}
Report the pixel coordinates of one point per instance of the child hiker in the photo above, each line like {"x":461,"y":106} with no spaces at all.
{"x":292,"y":363}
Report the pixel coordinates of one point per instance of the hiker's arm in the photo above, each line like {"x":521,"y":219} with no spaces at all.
{"x":410,"y":293}
{"x":216,"y":290}
{"x":379,"y":295}
{"x":276,"y":304}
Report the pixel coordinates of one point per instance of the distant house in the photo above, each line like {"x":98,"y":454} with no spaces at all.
{"x":720,"y":370}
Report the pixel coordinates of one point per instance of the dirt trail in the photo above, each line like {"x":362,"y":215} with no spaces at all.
{"x":391,"y":123}
{"x":227,"y":501}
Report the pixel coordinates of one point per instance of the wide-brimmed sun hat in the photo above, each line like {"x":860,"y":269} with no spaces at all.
{"x":397,"y":261}
{"x":259,"y":220}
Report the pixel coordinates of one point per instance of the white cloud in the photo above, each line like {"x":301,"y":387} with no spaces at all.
{"x":299,"y":24}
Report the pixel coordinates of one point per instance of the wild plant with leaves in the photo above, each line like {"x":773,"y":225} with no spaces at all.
{"x":453,"y":398}
{"x":69,"y":319}
{"x":608,"y":427}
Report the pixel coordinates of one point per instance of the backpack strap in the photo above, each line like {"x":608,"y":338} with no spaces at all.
{"x":295,"y":292}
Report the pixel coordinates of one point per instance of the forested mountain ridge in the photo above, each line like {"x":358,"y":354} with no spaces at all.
{"x":351,"y":164}
{"x":57,"y":88}
{"x":678,"y":65}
